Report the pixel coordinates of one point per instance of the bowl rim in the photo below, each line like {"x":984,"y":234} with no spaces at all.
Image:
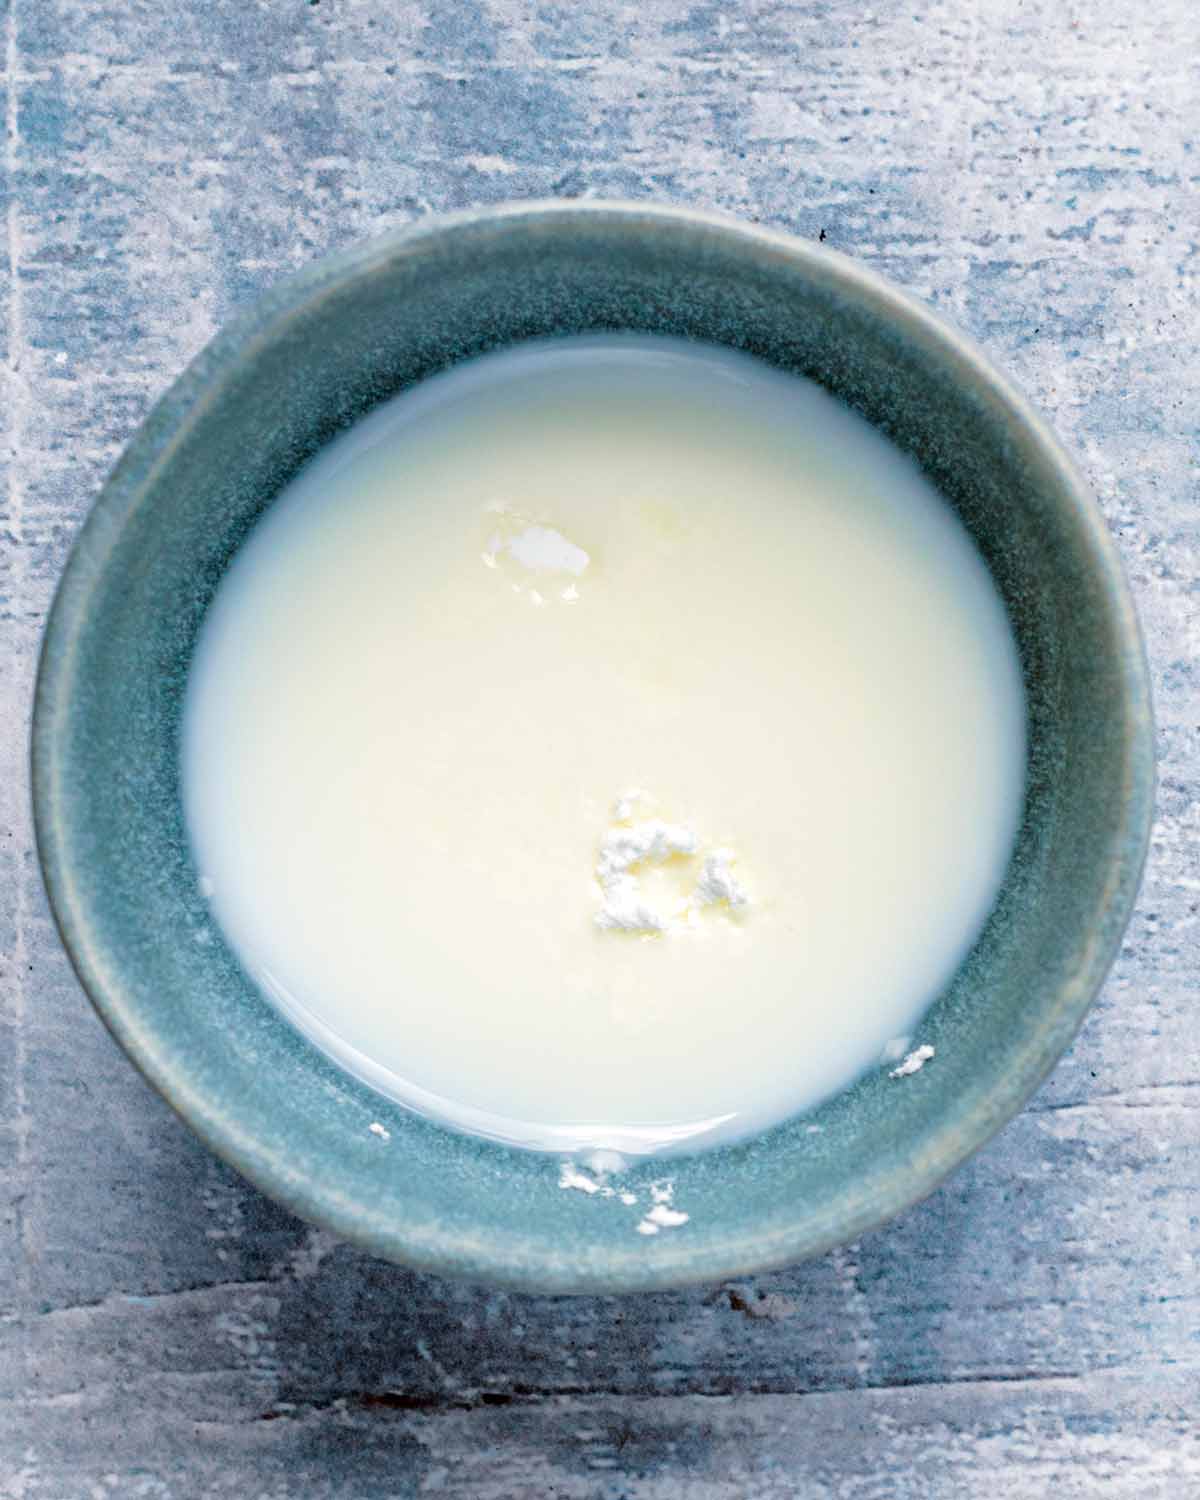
{"x":150,"y":448}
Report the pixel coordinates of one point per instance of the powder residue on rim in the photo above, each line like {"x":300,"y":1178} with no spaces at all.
{"x":914,"y":1062}
{"x":661,"y":1214}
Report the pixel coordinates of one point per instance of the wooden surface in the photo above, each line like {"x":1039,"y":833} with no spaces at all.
{"x":1031,"y":167}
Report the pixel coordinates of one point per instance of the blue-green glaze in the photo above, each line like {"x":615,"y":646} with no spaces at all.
{"x":314,"y":355}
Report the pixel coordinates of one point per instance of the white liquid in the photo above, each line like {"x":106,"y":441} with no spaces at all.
{"x":518,"y":591}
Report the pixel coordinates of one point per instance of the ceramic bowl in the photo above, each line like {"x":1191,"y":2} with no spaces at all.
{"x":310,"y":357}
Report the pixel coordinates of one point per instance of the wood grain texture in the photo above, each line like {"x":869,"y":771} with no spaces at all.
{"x":1029,"y":167}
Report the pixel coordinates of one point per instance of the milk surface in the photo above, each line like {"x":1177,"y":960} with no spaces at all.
{"x":536,"y":607}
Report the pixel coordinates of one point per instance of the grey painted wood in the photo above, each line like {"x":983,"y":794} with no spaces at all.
{"x":1034,"y":1328}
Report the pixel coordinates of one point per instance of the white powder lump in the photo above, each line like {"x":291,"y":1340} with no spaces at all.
{"x":625,"y":911}
{"x":627,"y":846}
{"x":541,"y":549}
{"x":521,"y":548}
{"x":717,"y":881}
{"x":622,"y":850}
{"x":643,"y":843}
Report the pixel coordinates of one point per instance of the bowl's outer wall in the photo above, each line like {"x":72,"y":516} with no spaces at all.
{"x":315,"y":355}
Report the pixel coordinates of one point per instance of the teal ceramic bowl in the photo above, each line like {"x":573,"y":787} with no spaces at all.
{"x":313,"y":355}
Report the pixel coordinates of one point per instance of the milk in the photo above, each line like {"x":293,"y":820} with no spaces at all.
{"x":536,"y":606}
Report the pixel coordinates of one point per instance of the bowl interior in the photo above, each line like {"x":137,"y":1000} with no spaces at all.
{"x":316,"y":354}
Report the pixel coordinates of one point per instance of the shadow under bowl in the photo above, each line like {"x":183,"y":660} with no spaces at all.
{"x":316,"y":353}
